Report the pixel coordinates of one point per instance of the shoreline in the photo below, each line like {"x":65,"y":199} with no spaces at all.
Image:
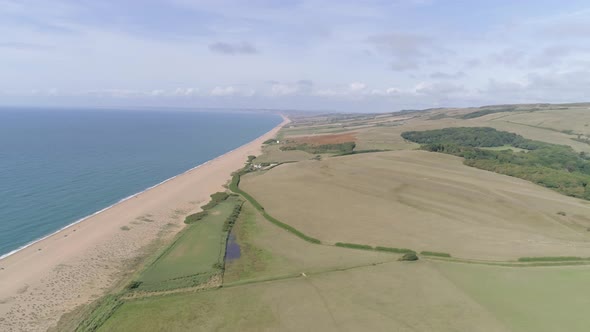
{"x":122,"y":200}
{"x":46,"y":278}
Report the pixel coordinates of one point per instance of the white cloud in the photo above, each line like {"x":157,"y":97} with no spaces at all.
{"x":282,"y":89}
{"x":228,"y":91}
{"x":186,"y":92}
{"x":357,"y":86}
{"x":223,"y":91}
{"x":386,"y":92}
{"x":542,"y":55}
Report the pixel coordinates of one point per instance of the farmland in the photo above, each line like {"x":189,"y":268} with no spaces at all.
{"x":422,"y":201}
{"x":321,"y":234}
{"x":279,"y":278}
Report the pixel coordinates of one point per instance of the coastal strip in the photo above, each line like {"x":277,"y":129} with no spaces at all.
{"x":75,"y":265}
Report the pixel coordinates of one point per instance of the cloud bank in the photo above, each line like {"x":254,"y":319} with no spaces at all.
{"x":306,"y":54}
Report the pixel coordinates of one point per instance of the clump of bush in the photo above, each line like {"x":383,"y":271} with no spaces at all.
{"x":411,"y":256}
{"x":561,"y":213}
{"x":193,"y":218}
{"x":133,"y":285}
{"x":354,"y":246}
{"x":216,"y":198}
{"x":250,"y":158}
{"x":270,"y":141}
{"x":434,"y":253}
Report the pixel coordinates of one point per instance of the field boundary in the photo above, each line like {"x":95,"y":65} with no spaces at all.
{"x":234,"y":186}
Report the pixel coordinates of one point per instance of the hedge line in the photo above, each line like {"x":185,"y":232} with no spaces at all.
{"x":395,"y":250}
{"x":435,"y":253}
{"x":550,"y":259}
{"x":234,"y":186}
{"x":353,"y":245}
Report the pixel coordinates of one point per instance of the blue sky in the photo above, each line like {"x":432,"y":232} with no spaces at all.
{"x":293,"y":54}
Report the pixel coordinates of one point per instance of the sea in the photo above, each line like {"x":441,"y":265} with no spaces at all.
{"x":59,"y":166}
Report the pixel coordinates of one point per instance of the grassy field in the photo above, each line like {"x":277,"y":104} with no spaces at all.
{"x":527,"y":299}
{"x":272,"y":153}
{"x":422,"y":201}
{"x":390,"y":296}
{"x":320,"y":238}
{"x":567,"y":121}
{"x":281,"y":282}
{"x":556,"y":126}
{"x":194,"y":257}
{"x":268,"y":251}
{"x":394,"y":296}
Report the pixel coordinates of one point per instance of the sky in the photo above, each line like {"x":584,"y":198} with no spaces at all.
{"x":361,"y":56}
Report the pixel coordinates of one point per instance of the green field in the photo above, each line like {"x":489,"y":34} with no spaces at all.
{"x":270,"y":252}
{"x":422,"y":201}
{"x":392,"y":296}
{"x":195,"y":256}
{"x":280,"y":278}
{"x":527,"y":299}
{"x":320,"y":238}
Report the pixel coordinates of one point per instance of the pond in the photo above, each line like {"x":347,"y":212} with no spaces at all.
{"x":232,"y":250}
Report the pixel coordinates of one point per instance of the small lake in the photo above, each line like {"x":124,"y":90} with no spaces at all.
{"x":232,"y":249}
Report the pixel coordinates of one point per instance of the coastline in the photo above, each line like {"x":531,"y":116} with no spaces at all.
{"x":12,"y":252}
{"x":80,"y":262}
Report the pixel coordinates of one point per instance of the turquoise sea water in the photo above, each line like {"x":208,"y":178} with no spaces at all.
{"x":58,"y":166}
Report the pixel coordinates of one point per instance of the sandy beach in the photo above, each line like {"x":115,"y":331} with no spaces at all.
{"x":80,"y":263}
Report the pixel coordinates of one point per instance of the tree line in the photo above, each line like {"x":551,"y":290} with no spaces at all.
{"x":558,"y":167}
